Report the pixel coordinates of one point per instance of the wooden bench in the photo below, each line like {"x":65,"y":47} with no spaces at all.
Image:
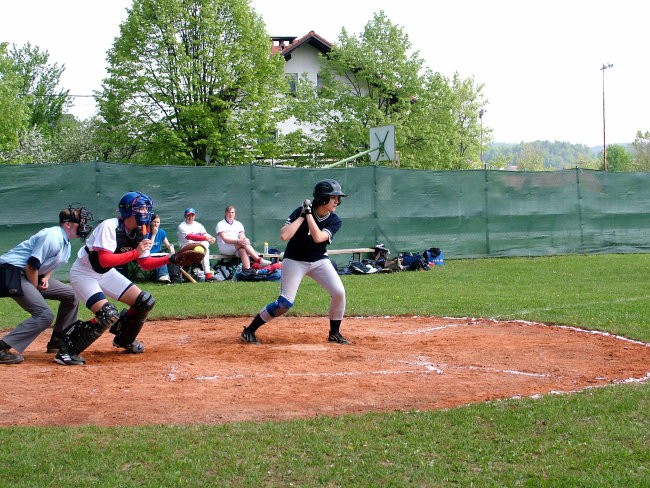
{"x":221,"y":257}
{"x":355,"y":252}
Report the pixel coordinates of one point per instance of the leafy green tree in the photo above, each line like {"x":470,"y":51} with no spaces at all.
{"x":468,"y":103}
{"x":190,"y":82}
{"x":530,"y":157}
{"x":641,"y":146}
{"x":373,"y":80}
{"x":619,"y":159}
{"x":39,"y":82}
{"x":555,"y":155}
{"x":75,"y":141}
{"x":13,"y":110}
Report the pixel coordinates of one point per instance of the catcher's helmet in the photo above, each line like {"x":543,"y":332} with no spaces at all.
{"x":138,"y":204}
{"x":325,"y":189}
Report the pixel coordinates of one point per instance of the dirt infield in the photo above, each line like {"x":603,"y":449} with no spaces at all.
{"x":197,"y":371}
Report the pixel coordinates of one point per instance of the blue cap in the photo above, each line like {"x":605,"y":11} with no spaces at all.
{"x":190,"y":210}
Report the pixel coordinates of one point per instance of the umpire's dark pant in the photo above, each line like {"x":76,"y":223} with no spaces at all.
{"x":33,"y":302}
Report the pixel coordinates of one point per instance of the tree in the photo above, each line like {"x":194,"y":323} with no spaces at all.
{"x":75,"y":141}
{"x":618,"y":159}
{"x":39,"y":81}
{"x":373,"y":80}
{"x":641,"y":146}
{"x":530,"y":157}
{"x":13,"y":110}
{"x":190,"y":81}
{"x":468,"y":102}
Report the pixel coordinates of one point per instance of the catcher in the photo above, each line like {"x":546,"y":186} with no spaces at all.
{"x":115,"y":242}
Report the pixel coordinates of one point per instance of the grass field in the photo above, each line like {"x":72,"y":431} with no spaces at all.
{"x":596,"y":438}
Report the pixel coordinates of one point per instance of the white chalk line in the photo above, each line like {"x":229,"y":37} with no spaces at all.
{"x":423,"y":364}
{"x":536,"y":396}
{"x":424,"y":367}
{"x":474,"y":322}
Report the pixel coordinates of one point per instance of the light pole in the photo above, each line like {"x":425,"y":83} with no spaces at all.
{"x":604,"y":67}
{"x":480,"y":116}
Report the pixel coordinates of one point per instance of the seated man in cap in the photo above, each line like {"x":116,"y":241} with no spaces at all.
{"x":192,"y":232}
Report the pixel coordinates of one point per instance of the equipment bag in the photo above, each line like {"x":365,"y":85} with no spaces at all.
{"x":10,"y":281}
{"x":257,"y":275}
{"x":365,"y":266}
{"x":413,"y":261}
{"x":434,"y":256}
{"x":174,"y":273}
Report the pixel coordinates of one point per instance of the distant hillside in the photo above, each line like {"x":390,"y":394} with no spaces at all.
{"x":555,"y":155}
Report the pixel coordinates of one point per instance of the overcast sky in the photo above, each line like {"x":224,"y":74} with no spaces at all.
{"x":539,"y":61}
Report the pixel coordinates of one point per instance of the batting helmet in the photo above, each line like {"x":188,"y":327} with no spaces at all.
{"x":138,"y":204}
{"x":325,"y":189}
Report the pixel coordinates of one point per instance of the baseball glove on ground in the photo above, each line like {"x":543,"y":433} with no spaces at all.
{"x":189,"y":254}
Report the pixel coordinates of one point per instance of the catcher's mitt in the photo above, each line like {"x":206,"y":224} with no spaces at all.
{"x":189,"y":254}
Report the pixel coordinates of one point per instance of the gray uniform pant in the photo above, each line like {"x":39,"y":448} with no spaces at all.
{"x":33,"y":302}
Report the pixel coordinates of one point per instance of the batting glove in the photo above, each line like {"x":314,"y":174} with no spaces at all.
{"x":306,"y":208}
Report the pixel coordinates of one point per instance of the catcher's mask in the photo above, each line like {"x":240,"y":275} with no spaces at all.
{"x":325,"y":189}
{"x":78,"y":215}
{"x":138,"y":204}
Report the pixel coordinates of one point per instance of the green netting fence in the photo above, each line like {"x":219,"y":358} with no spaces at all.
{"x":468,"y":214}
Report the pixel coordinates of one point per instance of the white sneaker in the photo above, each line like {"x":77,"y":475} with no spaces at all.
{"x":165,"y":279}
{"x":264,"y":262}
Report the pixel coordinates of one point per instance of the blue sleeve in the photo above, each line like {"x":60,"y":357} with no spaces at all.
{"x":44,"y":246}
{"x":294,"y":215}
{"x":34,"y":262}
{"x":334,"y":224}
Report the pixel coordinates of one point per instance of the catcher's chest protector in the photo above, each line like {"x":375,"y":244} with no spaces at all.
{"x":125,"y":243}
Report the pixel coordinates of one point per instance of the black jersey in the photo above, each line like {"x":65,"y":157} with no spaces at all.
{"x":301,"y":247}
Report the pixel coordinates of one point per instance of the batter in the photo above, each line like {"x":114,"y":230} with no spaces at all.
{"x":309,"y":230}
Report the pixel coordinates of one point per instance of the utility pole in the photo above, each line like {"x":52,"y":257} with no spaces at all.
{"x":605,"y":66}
{"x":480,"y":116}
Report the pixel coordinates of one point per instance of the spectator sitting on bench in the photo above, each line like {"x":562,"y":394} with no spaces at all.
{"x":192,"y":232}
{"x":232,"y":241}
{"x":159,"y":238}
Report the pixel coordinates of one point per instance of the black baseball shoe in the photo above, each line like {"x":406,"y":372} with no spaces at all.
{"x":249,"y":337}
{"x":8,"y":358}
{"x":53,"y":345}
{"x":338,"y":338}
{"x":68,"y":359}
{"x":136,"y":347}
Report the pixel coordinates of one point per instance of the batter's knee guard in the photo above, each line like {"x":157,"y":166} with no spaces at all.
{"x":131,"y":322}
{"x":80,"y":335}
{"x":278,"y":307}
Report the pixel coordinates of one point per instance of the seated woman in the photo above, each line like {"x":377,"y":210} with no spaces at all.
{"x":159,"y":238}
{"x":232,"y":241}
{"x":192,"y":232}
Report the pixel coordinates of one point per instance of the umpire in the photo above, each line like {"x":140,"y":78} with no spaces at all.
{"x":33,"y":261}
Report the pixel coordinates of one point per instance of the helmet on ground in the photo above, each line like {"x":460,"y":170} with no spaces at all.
{"x":138,"y":204}
{"x":325,"y":189}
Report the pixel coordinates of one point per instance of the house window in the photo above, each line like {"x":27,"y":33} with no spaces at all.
{"x":292,"y":79}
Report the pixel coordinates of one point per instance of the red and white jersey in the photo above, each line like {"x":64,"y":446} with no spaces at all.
{"x":103,"y":237}
{"x":185,"y":229}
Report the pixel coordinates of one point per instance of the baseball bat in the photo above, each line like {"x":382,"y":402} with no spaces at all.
{"x":187,"y":275}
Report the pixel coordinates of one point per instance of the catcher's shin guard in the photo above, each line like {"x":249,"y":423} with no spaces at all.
{"x":82,"y":334}
{"x":132,"y":320}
